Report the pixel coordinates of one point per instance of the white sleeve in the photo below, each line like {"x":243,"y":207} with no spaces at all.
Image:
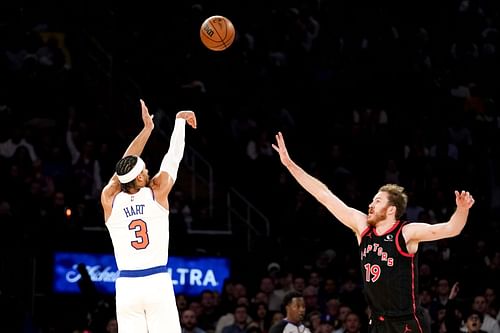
{"x":171,"y":160}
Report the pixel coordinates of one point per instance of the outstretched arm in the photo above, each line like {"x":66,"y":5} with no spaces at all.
{"x":135,"y":148}
{"x":164,"y":180}
{"x":137,"y":145}
{"x":421,"y":232}
{"x":350,"y":217}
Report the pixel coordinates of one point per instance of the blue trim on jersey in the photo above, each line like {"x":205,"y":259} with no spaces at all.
{"x":143,"y":272}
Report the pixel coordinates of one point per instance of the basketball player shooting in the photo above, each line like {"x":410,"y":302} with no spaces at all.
{"x":136,"y":214}
{"x":388,"y":246}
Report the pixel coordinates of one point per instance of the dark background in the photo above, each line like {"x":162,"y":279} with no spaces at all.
{"x":365,"y":93}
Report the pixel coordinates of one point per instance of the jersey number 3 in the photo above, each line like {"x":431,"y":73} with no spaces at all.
{"x":140,"y":229}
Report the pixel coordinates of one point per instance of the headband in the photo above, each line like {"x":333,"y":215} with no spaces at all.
{"x":132,"y":174}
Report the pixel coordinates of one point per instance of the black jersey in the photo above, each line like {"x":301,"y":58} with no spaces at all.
{"x":389,"y":273}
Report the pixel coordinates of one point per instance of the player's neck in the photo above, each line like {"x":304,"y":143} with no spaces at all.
{"x":383,"y":226}
{"x":295,"y":322}
{"x":133,"y":190}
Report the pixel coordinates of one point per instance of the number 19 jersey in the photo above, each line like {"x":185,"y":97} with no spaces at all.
{"x":389,"y":272}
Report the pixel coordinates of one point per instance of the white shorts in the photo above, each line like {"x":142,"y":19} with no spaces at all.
{"x":146,"y":304}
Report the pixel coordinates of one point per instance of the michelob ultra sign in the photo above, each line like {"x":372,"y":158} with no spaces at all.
{"x":190,"y":275}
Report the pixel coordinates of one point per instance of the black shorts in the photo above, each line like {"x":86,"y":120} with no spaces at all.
{"x":404,"y":324}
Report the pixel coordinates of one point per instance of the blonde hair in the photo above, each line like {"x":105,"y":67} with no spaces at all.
{"x":396,"y":197}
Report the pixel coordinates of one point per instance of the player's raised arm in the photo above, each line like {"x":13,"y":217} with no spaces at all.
{"x":350,"y":217}
{"x":421,"y":232}
{"x":135,"y":148}
{"x":137,"y":145}
{"x":164,"y":180}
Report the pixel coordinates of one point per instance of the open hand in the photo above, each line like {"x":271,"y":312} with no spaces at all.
{"x":464,"y":199}
{"x":454,"y":291}
{"x":146,"y":117}
{"x":280,"y":147}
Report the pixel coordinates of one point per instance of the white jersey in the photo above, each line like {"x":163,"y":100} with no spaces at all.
{"x":139,"y":229}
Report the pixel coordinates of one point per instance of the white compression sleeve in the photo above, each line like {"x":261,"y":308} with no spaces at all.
{"x":173,"y":157}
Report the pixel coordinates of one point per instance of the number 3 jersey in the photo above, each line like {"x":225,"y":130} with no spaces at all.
{"x":139,"y":229}
{"x":389,"y":272}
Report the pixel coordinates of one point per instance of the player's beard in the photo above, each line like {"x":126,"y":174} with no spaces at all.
{"x":377,"y":217}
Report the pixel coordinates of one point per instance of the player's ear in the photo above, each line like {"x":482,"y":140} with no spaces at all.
{"x":392,"y":210}
{"x":140,"y":177}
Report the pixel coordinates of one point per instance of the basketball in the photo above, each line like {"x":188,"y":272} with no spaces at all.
{"x":217,"y":33}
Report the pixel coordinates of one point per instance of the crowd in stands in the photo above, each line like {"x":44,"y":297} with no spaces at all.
{"x":365,"y":94}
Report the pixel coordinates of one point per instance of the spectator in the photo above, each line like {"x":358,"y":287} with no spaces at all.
{"x":112,"y":326}
{"x":488,"y":323}
{"x":17,"y":139}
{"x":189,"y":322}
{"x":240,"y":320}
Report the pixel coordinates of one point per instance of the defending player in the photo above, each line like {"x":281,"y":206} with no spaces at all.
{"x":388,"y":246}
